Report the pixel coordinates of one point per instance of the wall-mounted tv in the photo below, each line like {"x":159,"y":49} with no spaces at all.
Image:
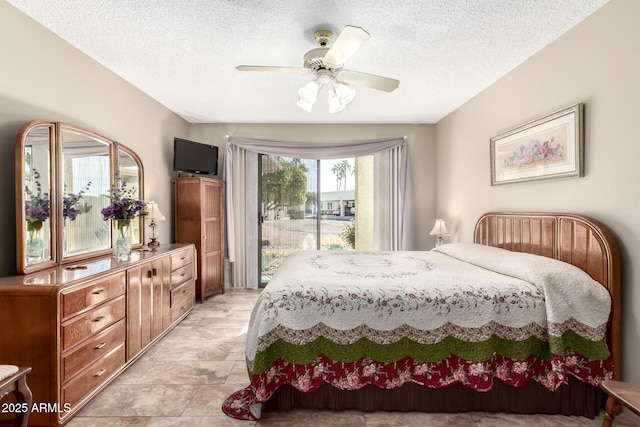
{"x":194,"y":157}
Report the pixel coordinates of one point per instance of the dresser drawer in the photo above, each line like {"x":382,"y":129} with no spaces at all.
{"x":93,"y":376}
{"x":88,"y":296}
{"x":98,"y":318}
{"x":181,"y":275}
{"x":181,"y":258}
{"x":91,"y":350}
{"x":182,"y":299}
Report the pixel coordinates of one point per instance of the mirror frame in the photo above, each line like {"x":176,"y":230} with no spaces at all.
{"x":137,"y":160}
{"x":62,"y":128}
{"x":56,"y":182}
{"x":21,"y":234}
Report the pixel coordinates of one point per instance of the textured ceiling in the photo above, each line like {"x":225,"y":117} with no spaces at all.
{"x":183,"y":53}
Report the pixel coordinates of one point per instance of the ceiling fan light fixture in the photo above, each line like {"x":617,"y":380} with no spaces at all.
{"x":309,"y":92}
{"x":304,"y":105}
{"x":344,"y":94}
{"x":327,"y":63}
{"x":334,"y":104}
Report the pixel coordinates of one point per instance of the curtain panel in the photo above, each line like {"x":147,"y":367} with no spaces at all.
{"x":393,"y":187}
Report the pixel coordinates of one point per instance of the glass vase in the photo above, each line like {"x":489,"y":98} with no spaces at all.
{"x":34,"y":248}
{"x":122,"y":240}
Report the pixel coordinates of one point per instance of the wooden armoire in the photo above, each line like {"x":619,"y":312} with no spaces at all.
{"x":200,"y":220}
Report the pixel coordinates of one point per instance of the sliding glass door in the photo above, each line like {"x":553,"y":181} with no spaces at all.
{"x":304,"y":204}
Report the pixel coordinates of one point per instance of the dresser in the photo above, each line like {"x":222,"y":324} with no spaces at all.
{"x":79,"y":326}
{"x":200,"y":221}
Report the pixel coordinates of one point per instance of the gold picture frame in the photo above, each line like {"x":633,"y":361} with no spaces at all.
{"x":547,"y":148}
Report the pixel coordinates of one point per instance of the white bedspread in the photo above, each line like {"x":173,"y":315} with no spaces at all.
{"x":481,"y":290}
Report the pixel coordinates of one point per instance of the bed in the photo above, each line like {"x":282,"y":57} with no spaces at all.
{"x":525,"y":320}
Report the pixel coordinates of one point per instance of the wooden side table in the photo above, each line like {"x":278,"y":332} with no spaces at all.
{"x":620,"y":393}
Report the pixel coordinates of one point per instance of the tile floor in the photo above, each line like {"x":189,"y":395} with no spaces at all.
{"x":184,"y":378}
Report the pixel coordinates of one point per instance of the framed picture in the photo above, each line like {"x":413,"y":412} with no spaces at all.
{"x":549,"y":147}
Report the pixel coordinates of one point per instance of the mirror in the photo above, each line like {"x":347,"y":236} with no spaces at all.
{"x":63,"y":183}
{"x":35,"y":196}
{"x":130,"y":173}
{"x":86,"y":178}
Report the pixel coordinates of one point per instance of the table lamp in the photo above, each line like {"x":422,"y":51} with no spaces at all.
{"x":154,"y":215}
{"x":439,"y":230}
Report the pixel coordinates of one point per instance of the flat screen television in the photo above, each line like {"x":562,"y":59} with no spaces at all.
{"x":194,"y":157}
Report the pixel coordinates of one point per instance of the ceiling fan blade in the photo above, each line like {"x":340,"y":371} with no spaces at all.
{"x":368,"y":80}
{"x":347,"y":43}
{"x":277,"y":69}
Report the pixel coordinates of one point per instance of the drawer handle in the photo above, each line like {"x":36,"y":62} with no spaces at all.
{"x":99,"y":346}
{"x":183,"y":307}
{"x":98,"y":292}
{"x":184,"y":290}
{"x":100,"y":373}
{"x":97,"y":319}
{"x":154,"y":271}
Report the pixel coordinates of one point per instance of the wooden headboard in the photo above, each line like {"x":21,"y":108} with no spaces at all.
{"x":574,"y":239}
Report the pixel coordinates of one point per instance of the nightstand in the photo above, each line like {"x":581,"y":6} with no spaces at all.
{"x":620,"y":393}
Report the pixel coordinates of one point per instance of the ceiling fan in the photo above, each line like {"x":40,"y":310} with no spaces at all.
{"x":327,"y":63}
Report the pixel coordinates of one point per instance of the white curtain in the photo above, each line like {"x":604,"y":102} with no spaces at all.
{"x":241,"y":220}
{"x":393,"y":189}
{"x":392,"y":180}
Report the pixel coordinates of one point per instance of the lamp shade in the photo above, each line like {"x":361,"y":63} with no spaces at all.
{"x":304,"y":105}
{"x":154,"y":212}
{"x":309,"y":92}
{"x":345,"y":94}
{"x":334,"y":104}
{"x":340,"y":95}
{"x":439,"y":228}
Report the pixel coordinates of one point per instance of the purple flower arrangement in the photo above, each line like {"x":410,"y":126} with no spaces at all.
{"x":124,"y":206}
{"x":37,"y":207}
{"x":70,"y":208}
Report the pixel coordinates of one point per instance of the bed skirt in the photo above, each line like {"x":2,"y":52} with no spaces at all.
{"x":576,"y":398}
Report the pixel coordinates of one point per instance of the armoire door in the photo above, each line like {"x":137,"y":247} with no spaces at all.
{"x":212,"y":257}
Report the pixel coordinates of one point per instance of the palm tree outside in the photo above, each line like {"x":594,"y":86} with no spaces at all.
{"x":340,"y":171}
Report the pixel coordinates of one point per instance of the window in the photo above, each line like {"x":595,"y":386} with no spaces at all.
{"x":291,"y":192}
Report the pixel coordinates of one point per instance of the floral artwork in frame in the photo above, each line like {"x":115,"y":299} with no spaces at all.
{"x":549,"y":147}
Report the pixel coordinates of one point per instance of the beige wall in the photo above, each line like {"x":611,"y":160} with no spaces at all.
{"x":596,"y":63}
{"x":42,"y":77}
